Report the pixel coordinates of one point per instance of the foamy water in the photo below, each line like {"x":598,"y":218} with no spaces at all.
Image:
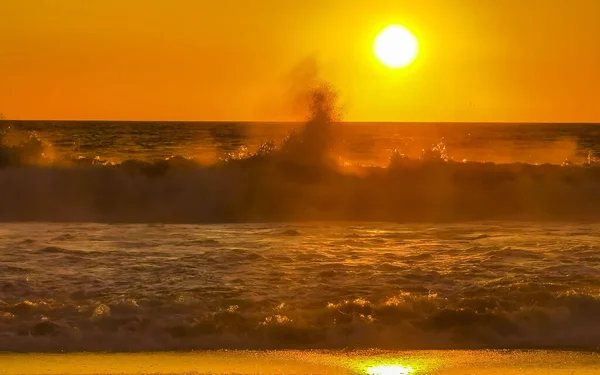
{"x":326,"y":285}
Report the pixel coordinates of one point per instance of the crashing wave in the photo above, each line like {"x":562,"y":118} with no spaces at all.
{"x":529,"y":317}
{"x":298,"y":179}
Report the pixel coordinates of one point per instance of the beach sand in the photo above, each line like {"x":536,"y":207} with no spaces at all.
{"x":306,"y":362}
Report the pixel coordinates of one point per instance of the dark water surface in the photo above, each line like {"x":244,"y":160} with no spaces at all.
{"x":354,"y":142}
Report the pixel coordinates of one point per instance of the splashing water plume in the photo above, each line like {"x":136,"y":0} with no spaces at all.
{"x":301,"y":177}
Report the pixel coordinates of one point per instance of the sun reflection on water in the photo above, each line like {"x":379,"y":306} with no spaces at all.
{"x":389,"y":370}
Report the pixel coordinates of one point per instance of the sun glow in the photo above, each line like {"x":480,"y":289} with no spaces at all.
{"x":389,"y":370}
{"x":396,"y":46}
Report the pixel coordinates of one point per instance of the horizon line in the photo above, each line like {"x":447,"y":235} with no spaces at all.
{"x":301,"y":122}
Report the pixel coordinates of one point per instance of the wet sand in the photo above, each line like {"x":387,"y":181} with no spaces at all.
{"x":306,"y":362}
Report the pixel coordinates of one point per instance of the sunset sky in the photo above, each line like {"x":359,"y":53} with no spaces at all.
{"x":243,"y":60}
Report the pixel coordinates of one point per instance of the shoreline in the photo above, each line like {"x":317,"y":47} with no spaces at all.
{"x":375,"y":362}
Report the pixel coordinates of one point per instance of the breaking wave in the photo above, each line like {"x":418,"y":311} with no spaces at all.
{"x":273,"y":188}
{"x":529,"y":317}
{"x":299,"y":179}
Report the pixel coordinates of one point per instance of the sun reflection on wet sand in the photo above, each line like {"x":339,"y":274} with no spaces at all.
{"x":389,"y":370}
{"x":482,"y":362}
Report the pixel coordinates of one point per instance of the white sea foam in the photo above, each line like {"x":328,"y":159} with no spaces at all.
{"x":148,"y":287}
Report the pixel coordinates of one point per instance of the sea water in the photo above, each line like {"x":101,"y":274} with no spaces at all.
{"x":148,"y":236}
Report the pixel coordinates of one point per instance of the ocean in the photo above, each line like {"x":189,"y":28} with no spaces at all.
{"x":240,"y":173}
{"x":161,"y":287}
{"x":363,"y":143}
{"x":185,"y":236}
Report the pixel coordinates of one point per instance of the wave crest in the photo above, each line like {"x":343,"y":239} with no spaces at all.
{"x":275,"y":188}
{"x":299,"y":179}
{"x":537,"y":319}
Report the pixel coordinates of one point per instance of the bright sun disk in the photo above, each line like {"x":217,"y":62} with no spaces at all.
{"x":396,"y":46}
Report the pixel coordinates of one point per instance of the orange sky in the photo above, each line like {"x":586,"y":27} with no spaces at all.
{"x":481,"y":60}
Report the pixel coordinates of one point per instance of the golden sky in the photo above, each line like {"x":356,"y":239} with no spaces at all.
{"x":480,"y":60}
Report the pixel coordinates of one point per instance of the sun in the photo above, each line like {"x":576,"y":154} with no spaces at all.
{"x":396,"y":47}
